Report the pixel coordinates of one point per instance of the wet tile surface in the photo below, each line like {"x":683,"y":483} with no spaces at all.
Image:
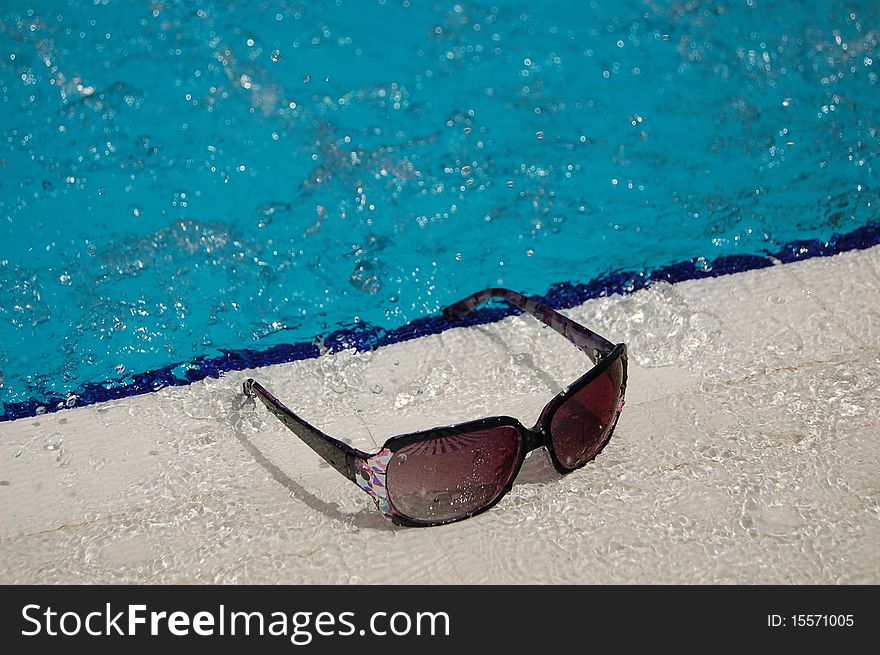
{"x":747,"y":452}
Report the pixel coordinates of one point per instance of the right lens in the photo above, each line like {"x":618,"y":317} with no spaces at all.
{"x":583,"y":422}
{"x":444,"y":478}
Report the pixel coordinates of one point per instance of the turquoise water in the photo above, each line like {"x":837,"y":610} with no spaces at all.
{"x":180,"y":178}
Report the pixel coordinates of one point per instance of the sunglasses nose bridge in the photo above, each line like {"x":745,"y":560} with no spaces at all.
{"x":533,"y":439}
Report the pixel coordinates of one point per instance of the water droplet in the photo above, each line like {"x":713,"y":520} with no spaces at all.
{"x":276,"y":55}
{"x":367,"y":277}
{"x":377,"y":389}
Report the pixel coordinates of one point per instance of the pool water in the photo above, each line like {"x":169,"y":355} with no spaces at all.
{"x":185,"y":179}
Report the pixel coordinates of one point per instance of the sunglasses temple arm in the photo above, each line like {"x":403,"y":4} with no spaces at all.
{"x":337,"y":454}
{"x":595,"y":346}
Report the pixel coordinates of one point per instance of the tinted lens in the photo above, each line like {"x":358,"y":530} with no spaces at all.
{"x":449,"y":477}
{"x":583,"y":422}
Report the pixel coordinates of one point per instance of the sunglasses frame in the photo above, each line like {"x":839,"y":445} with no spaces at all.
{"x":369,"y":471}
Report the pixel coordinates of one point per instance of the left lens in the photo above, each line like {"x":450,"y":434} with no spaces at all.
{"x":583,"y":422}
{"x":444,"y":478}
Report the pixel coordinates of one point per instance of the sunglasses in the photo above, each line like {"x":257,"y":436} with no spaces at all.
{"x":450,"y":473}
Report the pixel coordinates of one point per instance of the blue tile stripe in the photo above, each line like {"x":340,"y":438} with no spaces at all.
{"x":367,"y":337}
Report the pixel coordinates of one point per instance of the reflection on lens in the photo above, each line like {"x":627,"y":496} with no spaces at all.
{"x":450,"y":477}
{"x":583,"y":422}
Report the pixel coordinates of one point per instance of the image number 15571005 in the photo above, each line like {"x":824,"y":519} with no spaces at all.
{"x":810,"y":621}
